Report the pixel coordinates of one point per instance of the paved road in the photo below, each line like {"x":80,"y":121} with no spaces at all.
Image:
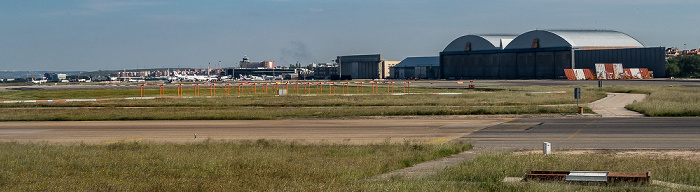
{"x":591,"y":133}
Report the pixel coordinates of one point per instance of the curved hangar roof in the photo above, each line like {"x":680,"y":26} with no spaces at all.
{"x":480,"y":42}
{"x":587,"y":39}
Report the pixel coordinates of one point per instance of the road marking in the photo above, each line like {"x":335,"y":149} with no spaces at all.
{"x":591,"y":123}
{"x":582,"y":139}
{"x":572,"y":135}
{"x":128,"y":140}
{"x":439,"y":141}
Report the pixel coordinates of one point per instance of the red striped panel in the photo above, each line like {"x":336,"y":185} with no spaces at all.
{"x":589,"y":74}
{"x":570,"y":74}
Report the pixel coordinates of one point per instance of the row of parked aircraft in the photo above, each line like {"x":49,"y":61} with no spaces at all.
{"x":184,"y":77}
{"x":179,"y":78}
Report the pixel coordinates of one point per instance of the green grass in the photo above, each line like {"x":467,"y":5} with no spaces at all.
{"x":206,"y":166}
{"x":672,"y":101}
{"x":265,"y":165}
{"x":662,"y":101}
{"x":470,"y":102}
{"x":486,"y":171}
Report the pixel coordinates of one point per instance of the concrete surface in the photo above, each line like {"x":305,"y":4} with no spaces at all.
{"x":614,"y":105}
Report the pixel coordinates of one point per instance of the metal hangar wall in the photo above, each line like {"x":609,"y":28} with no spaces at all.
{"x":544,"y":54}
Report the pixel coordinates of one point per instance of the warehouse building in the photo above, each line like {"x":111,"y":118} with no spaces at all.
{"x":364,"y":66}
{"x":417,"y":67}
{"x":544,"y":54}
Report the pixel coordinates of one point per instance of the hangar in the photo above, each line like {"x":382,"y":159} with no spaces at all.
{"x":417,"y":67}
{"x":364,"y":66}
{"x":544,"y":54}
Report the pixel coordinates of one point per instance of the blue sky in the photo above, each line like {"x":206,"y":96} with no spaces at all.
{"x":112,"y":34}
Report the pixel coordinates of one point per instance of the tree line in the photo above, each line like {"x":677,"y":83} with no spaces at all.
{"x":683,"y":66}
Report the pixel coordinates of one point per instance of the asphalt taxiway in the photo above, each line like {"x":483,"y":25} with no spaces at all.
{"x":591,"y":133}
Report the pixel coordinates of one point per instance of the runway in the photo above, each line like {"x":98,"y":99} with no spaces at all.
{"x":353,"y":131}
{"x":483,"y":132}
{"x":591,"y":133}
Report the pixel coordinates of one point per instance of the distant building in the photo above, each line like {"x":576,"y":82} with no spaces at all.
{"x":55,"y":76}
{"x":290,"y":76}
{"x":324,"y":70}
{"x":364,"y":66}
{"x":237,"y":72}
{"x":417,"y":67}
{"x":245,"y":63}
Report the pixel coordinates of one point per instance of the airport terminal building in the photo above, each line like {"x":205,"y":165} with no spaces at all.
{"x":544,"y":54}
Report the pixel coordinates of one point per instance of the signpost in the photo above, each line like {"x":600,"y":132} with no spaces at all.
{"x":577,"y":96}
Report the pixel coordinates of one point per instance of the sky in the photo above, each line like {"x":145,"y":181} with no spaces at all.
{"x":88,"y":35}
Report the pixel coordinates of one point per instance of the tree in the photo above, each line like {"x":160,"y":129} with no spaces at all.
{"x":672,"y":69}
{"x":684,"y":66}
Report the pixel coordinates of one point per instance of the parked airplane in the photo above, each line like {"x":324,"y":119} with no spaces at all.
{"x":39,"y":81}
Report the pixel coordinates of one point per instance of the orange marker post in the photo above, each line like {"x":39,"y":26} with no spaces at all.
{"x":162,"y":90}
{"x":141,"y":89}
{"x":388,"y":89}
{"x":330,"y":89}
{"x":358,"y":88}
{"x":240,"y":89}
{"x":408,"y":86}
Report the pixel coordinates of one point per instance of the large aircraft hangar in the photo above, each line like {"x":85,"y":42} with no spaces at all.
{"x":544,"y":54}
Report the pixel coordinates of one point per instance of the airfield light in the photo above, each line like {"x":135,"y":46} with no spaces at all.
{"x":162,"y":90}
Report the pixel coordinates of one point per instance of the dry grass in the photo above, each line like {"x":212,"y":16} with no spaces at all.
{"x":208,"y":166}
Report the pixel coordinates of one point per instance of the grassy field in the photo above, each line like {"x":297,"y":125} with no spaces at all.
{"x":662,"y":101}
{"x":486,"y":171}
{"x":287,"y":166}
{"x":207,"y":166}
{"x":528,"y":100}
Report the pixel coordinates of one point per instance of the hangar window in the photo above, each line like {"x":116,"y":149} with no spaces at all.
{"x":468,"y":47}
{"x":535,"y":43}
